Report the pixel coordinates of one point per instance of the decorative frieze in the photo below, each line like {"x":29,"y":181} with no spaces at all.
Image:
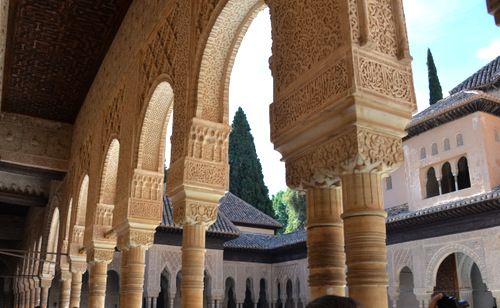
{"x":145,"y":209}
{"x":194,"y":213}
{"x":147,"y":185}
{"x":384,"y":78}
{"x":32,"y":141}
{"x":309,"y":100}
{"x":135,"y":238}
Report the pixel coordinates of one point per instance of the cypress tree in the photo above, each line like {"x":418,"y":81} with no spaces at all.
{"x":245,"y":176}
{"x":435,"y":91}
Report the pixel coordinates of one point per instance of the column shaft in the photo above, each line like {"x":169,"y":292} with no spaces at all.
{"x":135,"y":275}
{"x":76,"y":289}
{"x":37,"y":296}
{"x":123,"y":289}
{"x":325,"y":242}
{"x":44,"y":297}
{"x":65,"y":293}
{"x":364,"y":228}
{"x":32,"y":298}
{"x":97,"y":284}
{"x":193,"y":265}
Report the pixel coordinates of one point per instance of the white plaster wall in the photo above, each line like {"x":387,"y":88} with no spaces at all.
{"x":471,"y":128}
{"x":492,"y":148}
{"x":399,"y":193}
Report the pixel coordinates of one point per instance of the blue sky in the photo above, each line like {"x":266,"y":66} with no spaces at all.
{"x":460,"y":33}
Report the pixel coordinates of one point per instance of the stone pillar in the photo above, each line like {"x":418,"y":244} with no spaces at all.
{"x":439,"y":185}
{"x":195,"y":198}
{"x":148,"y":302}
{"x":340,"y":112}
{"x":45,"y":284}
{"x":154,"y":302}
{"x":193,"y":265}
{"x":78,"y":268}
{"x":133,"y":243}
{"x":37,"y":296}
{"x":97,"y":283}
{"x":123,"y":284}
{"x":364,"y":228}
{"x":65,"y":289}
{"x":325,"y":241}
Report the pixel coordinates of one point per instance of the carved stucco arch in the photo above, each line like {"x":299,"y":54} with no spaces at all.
{"x":464,"y":268}
{"x":438,"y":257}
{"x":52,"y":241}
{"x":156,"y":115}
{"x":218,"y":58}
{"x":110,"y":173}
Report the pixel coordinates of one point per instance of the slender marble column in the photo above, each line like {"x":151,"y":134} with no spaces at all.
{"x":65,"y":289}
{"x":325,"y":241}
{"x":136,"y":258}
{"x":76,"y":289}
{"x":97,"y":284}
{"x":123,"y":289}
{"x":193,"y":264}
{"x":364,"y":229}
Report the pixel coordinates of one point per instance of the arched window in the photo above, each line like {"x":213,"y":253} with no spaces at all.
{"x":248,"y":302}
{"x":422,"y":153}
{"x":262,"y":303}
{"x":388,"y":183}
{"x":434,"y":149}
{"x":446,"y":144}
{"x":497,"y":137}
{"x":432,"y":186}
{"x":448,"y":181}
{"x":463,"y":178}
{"x":460,"y":140}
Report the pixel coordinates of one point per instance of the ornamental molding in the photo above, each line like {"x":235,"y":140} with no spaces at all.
{"x":357,"y":149}
{"x":194,"y":213}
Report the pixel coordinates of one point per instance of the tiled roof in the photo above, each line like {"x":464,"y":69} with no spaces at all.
{"x":486,"y":78}
{"x":248,"y":240}
{"x":242,"y":213}
{"x":451,"y":108}
{"x":456,"y":206}
{"x":221,"y":226}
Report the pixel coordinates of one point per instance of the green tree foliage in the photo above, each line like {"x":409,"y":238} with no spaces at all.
{"x":290,"y":210}
{"x":245,"y":176}
{"x":435,"y":91}
{"x":280,"y":211}
{"x":296,"y":208}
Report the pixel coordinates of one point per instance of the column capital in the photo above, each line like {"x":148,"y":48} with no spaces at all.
{"x":356,"y":149}
{"x":195,"y":213}
{"x":99,"y":255}
{"x":65,"y":275}
{"x":129,"y":238}
{"x":78,"y":265}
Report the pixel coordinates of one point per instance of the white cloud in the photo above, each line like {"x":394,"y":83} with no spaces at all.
{"x":490,"y":52}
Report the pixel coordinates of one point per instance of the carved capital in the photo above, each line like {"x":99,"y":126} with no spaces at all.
{"x":78,"y":265}
{"x":65,"y":275}
{"x":95,"y":255}
{"x":135,"y":238}
{"x":355,"y":150}
{"x":195,"y":213}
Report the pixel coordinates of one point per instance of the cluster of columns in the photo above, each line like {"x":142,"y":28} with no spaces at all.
{"x":353,"y":218}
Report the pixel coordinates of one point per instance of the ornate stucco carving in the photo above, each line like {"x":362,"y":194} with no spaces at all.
{"x":310,"y":99}
{"x":357,"y":149}
{"x":206,"y":162}
{"x":32,"y":141}
{"x":304,"y":34}
{"x":194,"y":213}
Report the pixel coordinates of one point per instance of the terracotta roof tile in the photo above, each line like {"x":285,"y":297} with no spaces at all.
{"x":240,"y":212}
{"x":486,"y":78}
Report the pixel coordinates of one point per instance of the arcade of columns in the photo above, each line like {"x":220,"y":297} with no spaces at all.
{"x":343,"y":93}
